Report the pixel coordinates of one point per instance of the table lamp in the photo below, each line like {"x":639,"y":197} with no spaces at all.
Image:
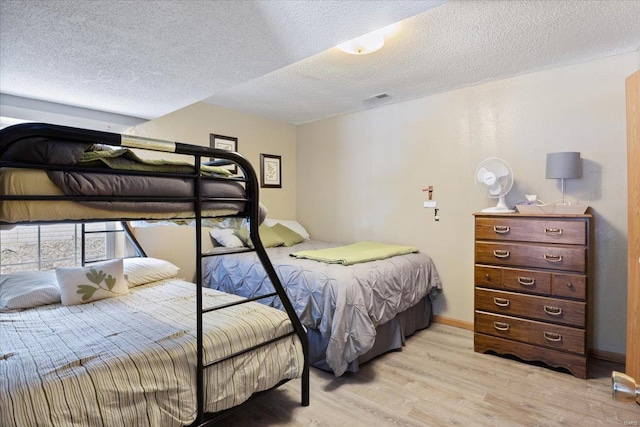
{"x":565,"y":165}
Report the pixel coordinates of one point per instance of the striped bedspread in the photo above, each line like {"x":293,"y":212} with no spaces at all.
{"x":130,"y":361}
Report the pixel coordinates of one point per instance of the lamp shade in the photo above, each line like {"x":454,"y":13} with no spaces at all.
{"x":564,"y":165}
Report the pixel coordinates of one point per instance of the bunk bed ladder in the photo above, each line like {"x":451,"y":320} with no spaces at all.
{"x":250,"y":212}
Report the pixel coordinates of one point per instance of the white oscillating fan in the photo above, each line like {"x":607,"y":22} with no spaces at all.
{"x":494,"y":178}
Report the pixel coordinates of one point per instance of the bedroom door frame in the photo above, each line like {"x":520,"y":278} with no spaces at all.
{"x":632,"y":366}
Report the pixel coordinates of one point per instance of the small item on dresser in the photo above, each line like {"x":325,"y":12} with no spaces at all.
{"x":531,"y":204}
{"x":552,"y":208}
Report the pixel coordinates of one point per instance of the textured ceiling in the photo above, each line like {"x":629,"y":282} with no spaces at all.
{"x":146,"y":58}
{"x":275,"y":58}
{"x":454,"y":45}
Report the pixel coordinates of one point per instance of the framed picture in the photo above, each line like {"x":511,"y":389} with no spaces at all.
{"x":228,"y":143}
{"x":270,"y":171}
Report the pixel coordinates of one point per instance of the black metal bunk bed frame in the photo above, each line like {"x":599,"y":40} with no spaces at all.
{"x":17,"y":133}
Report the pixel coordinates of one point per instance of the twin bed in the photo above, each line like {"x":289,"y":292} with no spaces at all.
{"x":169,"y":352}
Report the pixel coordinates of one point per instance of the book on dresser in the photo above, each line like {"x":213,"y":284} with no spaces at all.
{"x":531,"y":276}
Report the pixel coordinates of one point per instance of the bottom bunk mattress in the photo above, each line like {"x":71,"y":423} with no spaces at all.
{"x":131,"y":360}
{"x":343,"y":307}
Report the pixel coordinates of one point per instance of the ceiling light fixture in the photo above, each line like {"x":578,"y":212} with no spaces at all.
{"x":369,"y":42}
{"x":362,"y":45}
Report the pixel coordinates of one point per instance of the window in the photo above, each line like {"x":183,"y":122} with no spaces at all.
{"x":45,"y":247}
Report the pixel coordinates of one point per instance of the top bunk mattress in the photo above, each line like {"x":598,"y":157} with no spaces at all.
{"x":35,"y":182}
{"x":54,"y":173}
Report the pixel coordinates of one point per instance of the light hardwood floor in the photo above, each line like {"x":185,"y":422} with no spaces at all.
{"x":437,"y":380}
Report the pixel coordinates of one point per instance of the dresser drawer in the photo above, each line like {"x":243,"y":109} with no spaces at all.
{"x":553,"y":257}
{"x":490,"y":277}
{"x":531,"y":306}
{"x":530,"y":331}
{"x":535,"y":282}
{"x":569,"y":286}
{"x":513,"y":279}
{"x":532,"y":230}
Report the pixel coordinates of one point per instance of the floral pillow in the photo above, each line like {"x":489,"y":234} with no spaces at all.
{"x":80,"y":285}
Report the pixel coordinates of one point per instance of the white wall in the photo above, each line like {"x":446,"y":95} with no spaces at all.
{"x":256,"y":135}
{"x":363,"y":173}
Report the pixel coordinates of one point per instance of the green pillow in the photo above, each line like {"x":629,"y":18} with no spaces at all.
{"x":289,"y":236}
{"x":268,"y":237}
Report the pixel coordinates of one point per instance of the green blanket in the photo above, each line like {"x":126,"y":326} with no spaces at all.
{"x":355,"y":253}
{"x":125,"y":159}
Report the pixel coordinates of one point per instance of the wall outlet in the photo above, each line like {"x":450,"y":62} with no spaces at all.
{"x":430,"y":204}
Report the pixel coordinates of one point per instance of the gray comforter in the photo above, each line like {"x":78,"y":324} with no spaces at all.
{"x":344,"y":303}
{"x":112,"y":185}
{"x":44,"y":151}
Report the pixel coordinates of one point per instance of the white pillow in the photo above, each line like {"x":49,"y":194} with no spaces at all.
{"x":28,"y":289}
{"x":79,"y":285}
{"x":291,"y":224}
{"x":226,"y":237}
{"x":139,"y":271}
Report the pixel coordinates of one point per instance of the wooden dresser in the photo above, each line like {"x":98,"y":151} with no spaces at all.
{"x":531,"y":275}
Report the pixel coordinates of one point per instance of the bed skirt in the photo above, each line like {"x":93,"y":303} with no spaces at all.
{"x":389,"y":336}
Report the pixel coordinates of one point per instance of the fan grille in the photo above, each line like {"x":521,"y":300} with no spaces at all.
{"x":494,"y":177}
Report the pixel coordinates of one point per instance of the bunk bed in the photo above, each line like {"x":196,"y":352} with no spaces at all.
{"x":57,"y":372}
{"x":352,"y":313}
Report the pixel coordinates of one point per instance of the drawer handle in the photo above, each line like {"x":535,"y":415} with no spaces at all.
{"x":553,"y":258}
{"x":553,"y":337}
{"x":501,"y":326}
{"x":569,"y":285}
{"x":526,"y":281}
{"x":501,"y":229}
{"x":553,"y":231}
{"x":501,"y":253}
{"x":554,"y":311}
{"x":501,"y":302}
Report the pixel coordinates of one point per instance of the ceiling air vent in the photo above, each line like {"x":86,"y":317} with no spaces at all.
{"x":376,"y":98}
